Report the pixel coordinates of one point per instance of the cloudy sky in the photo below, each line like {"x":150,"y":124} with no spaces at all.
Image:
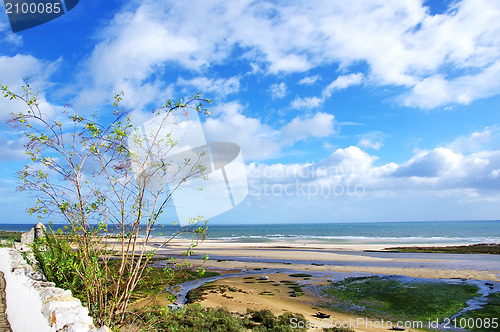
{"x":363,"y":110}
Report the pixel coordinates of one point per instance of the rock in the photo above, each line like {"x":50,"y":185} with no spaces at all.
{"x":28,"y":237}
{"x":79,"y":327}
{"x":63,"y":316}
{"x":39,"y":230}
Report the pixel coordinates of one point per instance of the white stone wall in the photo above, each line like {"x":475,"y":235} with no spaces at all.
{"x":33,"y":304}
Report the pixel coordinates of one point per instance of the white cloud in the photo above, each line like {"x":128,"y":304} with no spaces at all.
{"x":442,"y":181}
{"x":351,"y":160}
{"x":6,"y":34}
{"x":306,"y":103}
{"x":12,"y":148}
{"x":289,"y":63}
{"x":436,"y":90}
{"x":372,"y":140}
{"x":370,"y":144}
{"x":260,"y":141}
{"x":399,"y":41}
{"x":12,"y":72}
{"x":301,"y":128}
{"x":340,"y":83}
{"x":136,"y":44}
{"x":429,"y":93}
{"x":488,"y":139}
{"x":309,"y":80}
{"x":430,"y":164}
{"x":278,"y":90}
{"x":205,"y":85}
{"x":228,"y":124}
{"x":433,"y":174}
{"x":14,"y":69}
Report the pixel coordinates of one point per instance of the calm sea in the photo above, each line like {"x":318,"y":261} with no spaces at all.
{"x":345,"y":233}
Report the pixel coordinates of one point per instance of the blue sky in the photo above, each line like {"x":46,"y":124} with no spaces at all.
{"x":390,"y":107}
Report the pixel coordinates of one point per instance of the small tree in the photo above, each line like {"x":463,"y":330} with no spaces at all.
{"x":83,"y":172}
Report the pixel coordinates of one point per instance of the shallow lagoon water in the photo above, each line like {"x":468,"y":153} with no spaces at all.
{"x":475,"y":303}
{"x":435,"y":260}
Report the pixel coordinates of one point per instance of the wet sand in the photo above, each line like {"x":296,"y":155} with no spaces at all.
{"x":324,"y":261}
{"x":247,"y":295}
{"x":346,"y":258}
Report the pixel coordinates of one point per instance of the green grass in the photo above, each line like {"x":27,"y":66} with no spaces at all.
{"x":207,"y":274}
{"x":300,"y":275}
{"x":390,"y":298}
{"x":156,"y":280}
{"x":4,"y":235}
{"x":196,"y":318}
{"x":198,"y":294}
{"x":266,"y":293}
{"x":288,"y":282}
{"x":7,"y":239}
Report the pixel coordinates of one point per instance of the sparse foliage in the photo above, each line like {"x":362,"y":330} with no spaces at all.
{"x":196,"y":318}
{"x":81,"y":172}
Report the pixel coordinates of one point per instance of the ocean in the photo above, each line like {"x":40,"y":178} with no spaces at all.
{"x":397,"y":233}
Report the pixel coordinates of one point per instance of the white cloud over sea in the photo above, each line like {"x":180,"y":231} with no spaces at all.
{"x":351,"y":173}
{"x":437,"y":59}
{"x":287,"y":77}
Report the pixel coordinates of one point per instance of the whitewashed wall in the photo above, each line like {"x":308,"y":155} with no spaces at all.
{"x":36,"y":305}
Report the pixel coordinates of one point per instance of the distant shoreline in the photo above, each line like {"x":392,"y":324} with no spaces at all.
{"x":367,"y":234}
{"x":478,"y":248}
{"x":4,"y":235}
{"x":306,"y":256}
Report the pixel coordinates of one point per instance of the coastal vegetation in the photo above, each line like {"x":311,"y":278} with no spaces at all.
{"x":81,"y":171}
{"x":397,"y":299}
{"x":197,"y":294}
{"x":196,"y":318}
{"x":7,"y":239}
{"x":4,"y":235}
{"x":300,"y":275}
{"x":479,"y":248}
{"x":482,"y":315}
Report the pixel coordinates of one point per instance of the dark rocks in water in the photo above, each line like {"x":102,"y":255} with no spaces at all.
{"x":320,"y":314}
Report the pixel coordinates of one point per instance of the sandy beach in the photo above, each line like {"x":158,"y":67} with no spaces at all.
{"x":277,"y":260}
{"x":250,"y":296}
{"x":304,"y":256}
